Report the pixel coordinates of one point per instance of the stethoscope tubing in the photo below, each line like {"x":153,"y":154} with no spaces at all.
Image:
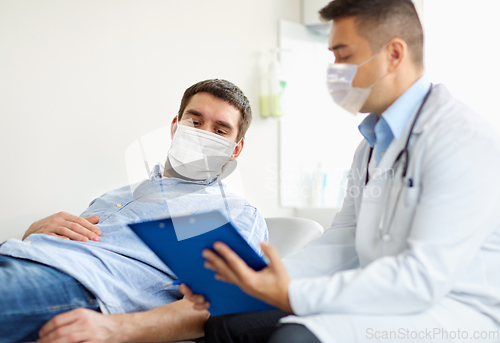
{"x":385,"y":235}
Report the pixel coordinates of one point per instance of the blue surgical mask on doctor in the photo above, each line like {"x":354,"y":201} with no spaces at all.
{"x":339,"y":81}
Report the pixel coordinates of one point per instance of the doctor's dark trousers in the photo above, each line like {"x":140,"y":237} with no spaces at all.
{"x":256,"y":327}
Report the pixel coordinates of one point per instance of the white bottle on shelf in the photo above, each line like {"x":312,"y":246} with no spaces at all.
{"x":272,"y":89}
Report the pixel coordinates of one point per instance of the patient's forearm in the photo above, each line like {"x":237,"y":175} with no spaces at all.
{"x":172,"y":322}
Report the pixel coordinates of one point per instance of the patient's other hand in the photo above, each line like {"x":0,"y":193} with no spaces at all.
{"x":67,"y":226}
{"x":199,"y":302}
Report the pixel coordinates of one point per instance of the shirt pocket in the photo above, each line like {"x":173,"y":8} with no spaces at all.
{"x":412,"y":196}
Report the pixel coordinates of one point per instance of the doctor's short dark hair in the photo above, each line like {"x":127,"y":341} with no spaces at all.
{"x":378,"y":21}
{"x":224,"y":90}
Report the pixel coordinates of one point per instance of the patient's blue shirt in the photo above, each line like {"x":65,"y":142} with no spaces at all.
{"x":121,"y":271}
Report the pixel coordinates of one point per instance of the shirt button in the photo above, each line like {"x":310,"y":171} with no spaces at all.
{"x":27,"y":242}
{"x":118,"y":205}
{"x":382,"y":154}
{"x":386,"y":238}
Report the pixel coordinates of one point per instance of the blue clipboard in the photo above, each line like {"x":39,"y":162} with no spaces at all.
{"x":179,"y":241}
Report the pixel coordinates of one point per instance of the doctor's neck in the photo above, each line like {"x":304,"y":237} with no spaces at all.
{"x":395,"y":86}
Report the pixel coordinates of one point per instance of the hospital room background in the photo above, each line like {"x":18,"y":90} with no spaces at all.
{"x":88,"y":90}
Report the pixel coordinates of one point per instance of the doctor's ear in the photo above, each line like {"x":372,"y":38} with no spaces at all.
{"x":238,"y":148}
{"x":173,"y":127}
{"x":397,"y":53}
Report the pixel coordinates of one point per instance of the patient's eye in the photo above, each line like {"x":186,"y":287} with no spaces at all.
{"x":220,"y":132}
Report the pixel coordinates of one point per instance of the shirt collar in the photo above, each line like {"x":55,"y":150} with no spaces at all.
{"x":367,"y":128}
{"x":398,"y":114}
{"x":158,"y":170}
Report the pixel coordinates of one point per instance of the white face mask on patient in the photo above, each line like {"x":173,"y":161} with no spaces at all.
{"x":197,"y":154}
{"x":339,"y":81}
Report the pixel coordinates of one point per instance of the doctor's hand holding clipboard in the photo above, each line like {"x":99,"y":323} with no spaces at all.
{"x":269,"y":284}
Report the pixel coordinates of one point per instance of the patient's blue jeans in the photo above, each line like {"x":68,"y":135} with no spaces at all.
{"x":31,"y":294}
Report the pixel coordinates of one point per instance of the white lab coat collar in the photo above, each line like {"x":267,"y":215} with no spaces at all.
{"x":437,"y":99}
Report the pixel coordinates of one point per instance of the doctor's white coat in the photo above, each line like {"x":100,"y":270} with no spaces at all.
{"x":439,"y":264}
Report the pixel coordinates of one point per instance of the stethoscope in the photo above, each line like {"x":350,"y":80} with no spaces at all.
{"x":384,"y":234}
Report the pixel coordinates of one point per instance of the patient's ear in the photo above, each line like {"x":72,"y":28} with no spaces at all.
{"x":238,"y":148}
{"x":173,"y":127}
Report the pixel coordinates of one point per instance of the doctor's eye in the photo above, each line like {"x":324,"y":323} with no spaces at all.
{"x":220,"y":132}
{"x":342,"y":58}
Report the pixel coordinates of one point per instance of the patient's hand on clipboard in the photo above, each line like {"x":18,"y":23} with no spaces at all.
{"x":67,"y":226}
{"x":198,"y":301}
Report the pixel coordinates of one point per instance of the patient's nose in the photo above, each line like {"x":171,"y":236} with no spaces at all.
{"x":205,"y":127}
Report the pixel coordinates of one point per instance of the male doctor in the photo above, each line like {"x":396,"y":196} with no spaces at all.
{"x":414,"y":253}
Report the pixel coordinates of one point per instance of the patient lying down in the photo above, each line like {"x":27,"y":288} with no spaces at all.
{"x":96,"y":263}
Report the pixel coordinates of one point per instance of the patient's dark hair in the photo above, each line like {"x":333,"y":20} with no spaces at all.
{"x":224,"y":90}
{"x":378,"y":21}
